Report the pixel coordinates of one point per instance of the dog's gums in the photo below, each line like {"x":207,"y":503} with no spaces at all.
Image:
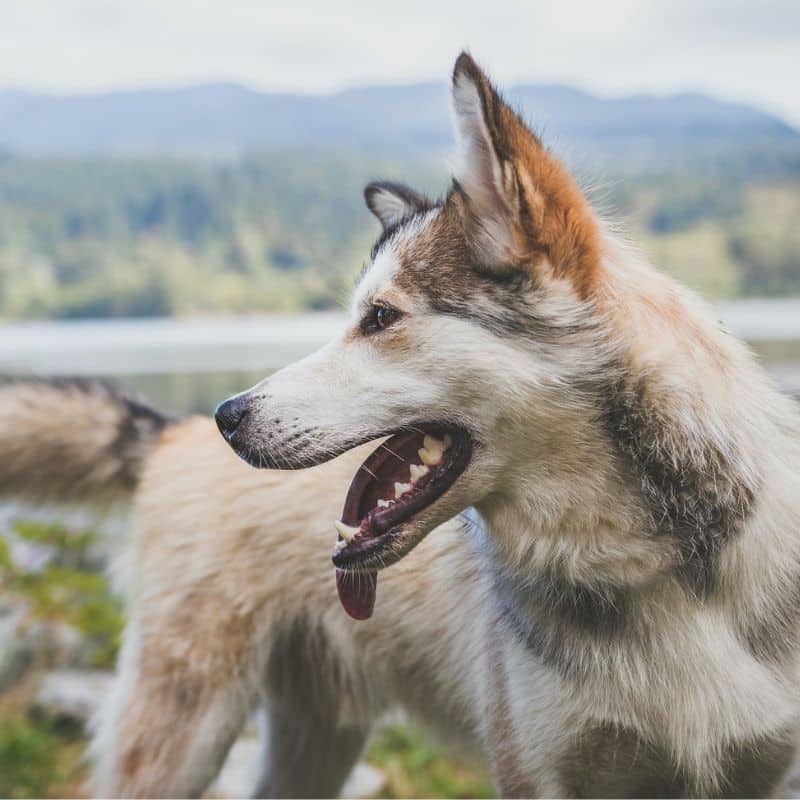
{"x":403,"y":476}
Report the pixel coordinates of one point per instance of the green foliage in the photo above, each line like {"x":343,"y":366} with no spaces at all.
{"x":66,"y":541}
{"x":767,"y":242}
{"x":5,"y":557}
{"x":94,"y":237}
{"x":725,"y":232}
{"x":415,"y":769}
{"x":67,"y":590}
{"x":39,"y":758}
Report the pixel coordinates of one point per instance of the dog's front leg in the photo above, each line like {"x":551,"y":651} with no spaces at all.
{"x":164,"y":731}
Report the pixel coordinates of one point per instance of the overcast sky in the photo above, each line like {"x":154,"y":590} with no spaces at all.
{"x":734,"y":49}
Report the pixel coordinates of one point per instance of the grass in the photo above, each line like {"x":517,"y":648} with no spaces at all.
{"x":42,"y":757}
{"x":415,"y":769}
{"x":66,"y":590}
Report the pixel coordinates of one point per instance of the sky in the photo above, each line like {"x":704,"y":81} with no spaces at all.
{"x":747,"y":51}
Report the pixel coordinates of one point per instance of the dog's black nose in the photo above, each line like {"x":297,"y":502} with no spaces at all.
{"x":230,"y":413}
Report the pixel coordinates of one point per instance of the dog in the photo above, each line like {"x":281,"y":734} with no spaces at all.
{"x":569,"y":538}
{"x":633,"y":474}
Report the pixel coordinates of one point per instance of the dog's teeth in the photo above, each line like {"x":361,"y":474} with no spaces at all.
{"x":384,"y":503}
{"x":347,"y":532}
{"x":418,"y":471}
{"x":427,"y":458}
{"x":431,"y":452}
{"x":432,"y":443}
{"x":339,"y":546}
{"x":401,"y":488}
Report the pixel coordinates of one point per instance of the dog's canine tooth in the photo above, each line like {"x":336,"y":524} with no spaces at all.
{"x":384,"y":503}
{"x":347,"y":532}
{"x":431,"y":452}
{"x":339,"y":545}
{"x":418,"y":471}
{"x":428,"y":458}
{"x":432,"y":443}
{"x":401,"y":488}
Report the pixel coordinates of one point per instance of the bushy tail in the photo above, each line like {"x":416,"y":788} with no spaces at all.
{"x":68,"y":441}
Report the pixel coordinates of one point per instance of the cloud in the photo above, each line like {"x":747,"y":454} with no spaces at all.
{"x":739,"y":50}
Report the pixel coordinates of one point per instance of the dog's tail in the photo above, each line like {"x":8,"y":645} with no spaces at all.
{"x":72,"y":441}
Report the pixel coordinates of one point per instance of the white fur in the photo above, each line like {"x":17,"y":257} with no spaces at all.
{"x":481,"y":174}
{"x":389,"y":207}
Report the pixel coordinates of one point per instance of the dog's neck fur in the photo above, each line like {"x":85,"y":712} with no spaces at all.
{"x":682,"y":453}
{"x":658,"y":511}
{"x":609,"y":563}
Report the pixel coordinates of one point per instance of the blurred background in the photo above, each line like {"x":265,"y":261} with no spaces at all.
{"x":181,"y":210}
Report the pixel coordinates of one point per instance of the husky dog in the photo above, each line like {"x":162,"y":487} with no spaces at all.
{"x":633,"y":475}
{"x":577,"y":550}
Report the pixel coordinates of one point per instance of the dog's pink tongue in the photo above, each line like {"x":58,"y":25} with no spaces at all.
{"x":357,"y":592}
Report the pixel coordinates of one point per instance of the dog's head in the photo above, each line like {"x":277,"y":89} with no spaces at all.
{"x":470,"y":335}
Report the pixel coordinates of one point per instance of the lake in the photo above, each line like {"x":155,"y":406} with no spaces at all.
{"x":190,"y":365}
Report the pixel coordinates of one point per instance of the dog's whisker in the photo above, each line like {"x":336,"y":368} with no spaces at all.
{"x":389,"y":449}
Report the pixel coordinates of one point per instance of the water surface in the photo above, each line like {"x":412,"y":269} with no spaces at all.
{"x":190,"y":365}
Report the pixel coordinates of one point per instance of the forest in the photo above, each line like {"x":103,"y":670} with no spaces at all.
{"x":114,"y":236}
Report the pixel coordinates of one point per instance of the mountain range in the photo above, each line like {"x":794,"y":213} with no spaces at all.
{"x":223,"y":120}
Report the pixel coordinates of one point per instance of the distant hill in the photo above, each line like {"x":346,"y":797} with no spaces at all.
{"x":226,"y":119}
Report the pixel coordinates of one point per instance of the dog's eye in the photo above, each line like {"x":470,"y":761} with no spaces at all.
{"x":379,"y":318}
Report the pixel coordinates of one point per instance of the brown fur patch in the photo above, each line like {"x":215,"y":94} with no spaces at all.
{"x":553,"y":221}
{"x":154,"y":744}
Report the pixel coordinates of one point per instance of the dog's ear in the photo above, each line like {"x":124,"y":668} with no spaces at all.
{"x":485,"y":172}
{"x":519,"y":203}
{"x":393,"y":202}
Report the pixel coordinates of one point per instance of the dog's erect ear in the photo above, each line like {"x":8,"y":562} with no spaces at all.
{"x":485,"y":172}
{"x":393,"y":202}
{"x":519,"y":202}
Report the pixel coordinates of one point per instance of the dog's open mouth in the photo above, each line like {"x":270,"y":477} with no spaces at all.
{"x":403,"y":476}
